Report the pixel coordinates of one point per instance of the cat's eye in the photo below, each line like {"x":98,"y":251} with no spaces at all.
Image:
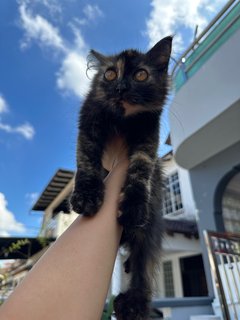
{"x":141,"y":75}
{"x":110,"y":75}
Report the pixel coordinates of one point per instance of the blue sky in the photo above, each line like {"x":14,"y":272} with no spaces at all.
{"x":43,"y":49}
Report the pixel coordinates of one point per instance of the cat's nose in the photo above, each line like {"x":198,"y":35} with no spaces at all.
{"x":121,"y":87}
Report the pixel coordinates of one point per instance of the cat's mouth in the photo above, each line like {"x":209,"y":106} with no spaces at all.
{"x":132,"y":108}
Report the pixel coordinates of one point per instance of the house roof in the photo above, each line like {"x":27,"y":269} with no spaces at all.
{"x":187,"y":227}
{"x":58,"y":182}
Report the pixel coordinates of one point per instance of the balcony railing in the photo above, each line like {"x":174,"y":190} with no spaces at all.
{"x":207,"y":43}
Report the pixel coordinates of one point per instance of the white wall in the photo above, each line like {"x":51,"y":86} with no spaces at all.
{"x":199,"y":103}
{"x":205,"y":179}
{"x":179,"y":243}
{"x":174,"y":248}
{"x":64,"y":221}
{"x":120,"y":279}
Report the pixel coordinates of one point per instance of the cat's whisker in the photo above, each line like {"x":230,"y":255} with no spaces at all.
{"x":177,"y":117}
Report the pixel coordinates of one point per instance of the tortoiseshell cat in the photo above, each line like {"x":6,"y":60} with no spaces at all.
{"x":126,"y":99}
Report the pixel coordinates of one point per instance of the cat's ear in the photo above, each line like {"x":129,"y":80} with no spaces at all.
{"x":96,"y":57}
{"x":160,"y":53}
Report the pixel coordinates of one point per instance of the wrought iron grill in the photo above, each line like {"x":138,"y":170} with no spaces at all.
{"x":224,"y":257}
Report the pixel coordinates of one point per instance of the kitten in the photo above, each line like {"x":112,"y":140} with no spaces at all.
{"x":126,"y":99}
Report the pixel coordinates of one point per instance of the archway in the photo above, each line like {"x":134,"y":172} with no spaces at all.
{"x":227,"y":202}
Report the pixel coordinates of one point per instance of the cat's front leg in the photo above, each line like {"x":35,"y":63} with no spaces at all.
{"x":87,"y":196}
{"x":134,"y":203}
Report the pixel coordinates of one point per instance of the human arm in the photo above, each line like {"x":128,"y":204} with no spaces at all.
{"x":71,"y":280}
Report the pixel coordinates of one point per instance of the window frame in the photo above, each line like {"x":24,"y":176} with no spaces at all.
{"x":169,"y":287}
{"x":171,"y":199}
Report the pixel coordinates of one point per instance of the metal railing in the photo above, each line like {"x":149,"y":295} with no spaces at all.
{"x":224,"y":257}
{"x":183,"y":63}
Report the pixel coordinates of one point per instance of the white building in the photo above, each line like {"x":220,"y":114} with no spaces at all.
{"x":206,"y":133}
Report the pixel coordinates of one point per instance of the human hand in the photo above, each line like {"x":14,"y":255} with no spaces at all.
{"x":116,"y":151}
{"x":116,"y":161}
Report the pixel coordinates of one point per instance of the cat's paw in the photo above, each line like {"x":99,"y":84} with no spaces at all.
{"x":87,"y":199}
{"x":133,"y":211}
{"x":131,"y":305}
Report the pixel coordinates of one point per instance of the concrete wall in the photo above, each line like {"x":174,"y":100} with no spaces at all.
{"x":179,"y":243}
{"x":183,"y":309}
{"x":205,"y":179}
{"x":195,"y":114}
{"x":184,"y":313}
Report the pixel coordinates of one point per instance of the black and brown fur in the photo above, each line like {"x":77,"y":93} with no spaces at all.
{"x":130,"y":109}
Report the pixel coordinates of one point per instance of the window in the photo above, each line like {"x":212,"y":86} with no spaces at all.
{"x":172,"y":200}
{"x":168,"y":279}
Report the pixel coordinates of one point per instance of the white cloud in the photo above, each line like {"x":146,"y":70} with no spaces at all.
{"x":168,"y":16}
{"x":31,"y":197}
{"x":3,"y":104}
{"x":92,"y":12}
{"x":8,"y":222}
{"x":38,"y":28}
{"x":79,"y":44}
{"x":53,"y":6}
{"x":26,"y":130}
{"x":71,"y":76}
